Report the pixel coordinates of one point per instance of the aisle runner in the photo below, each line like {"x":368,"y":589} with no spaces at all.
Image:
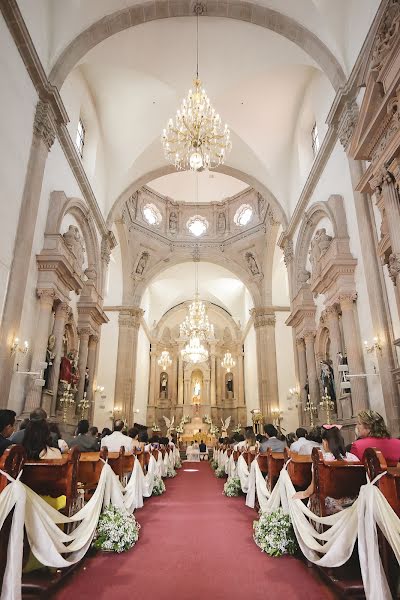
{"x":194,"y":544}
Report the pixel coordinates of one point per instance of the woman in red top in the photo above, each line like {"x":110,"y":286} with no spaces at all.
{"x":372,"y":433}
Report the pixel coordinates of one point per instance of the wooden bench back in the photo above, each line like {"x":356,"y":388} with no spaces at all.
{"x":116,"y":462}
{"x":140,"y":455}
{"x":299,"y":469}
{"x":336,"y":479}
{"x":262,"y":460}
{"x":11,"y":462}
{"x":89,"y":469}
{"x":155,"y":453}
{"x":389,"y":484}
{"x":57,"y":477}
{"x":275,"y":462}
{"x":248,"y":457}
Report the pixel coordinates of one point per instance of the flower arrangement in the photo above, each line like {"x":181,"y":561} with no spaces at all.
{"x":220,"y":472}
{"x":207,"y":420}
{"x":232,"y":487}
{"x":237,"y":429}
{"x":274,"y":534}
{"x":158,"y":486}
{"x":117,"y":530}
{"x":214,"y":464}
{"x":214,"y":430}
{"x":171,"y":472}
{"x":178,"y":462}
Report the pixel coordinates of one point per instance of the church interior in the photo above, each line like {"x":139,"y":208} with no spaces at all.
{"x":200,"y":299}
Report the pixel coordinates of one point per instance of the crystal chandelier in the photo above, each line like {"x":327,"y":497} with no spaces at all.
{"x":194,"y":351}
{"x":165,"y":360}
{"x":228,"y":363}
{"x":197,"y":139}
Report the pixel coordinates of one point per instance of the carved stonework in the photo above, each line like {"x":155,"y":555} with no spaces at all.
{"x":130,"y":318}
{"x":319,"y":245}
{"x":347,"y":299}
{"x":347,"y":123}
{"x":252,"y":263}
{"x":74,"y":243}
{"x":332,"y":312}
{"x":263,"y":317}
{"x":387,"y":34}
{"x":288,"y":252}
{"x":394,"y":266}
{"x":142,"y":263}
{"x":46,"y":296}
{"x":84,"y":332}
{"x":43,"y":124}
{"x":309,"y":336}
{"x":221,"y":223}
{"x":303,"y":277}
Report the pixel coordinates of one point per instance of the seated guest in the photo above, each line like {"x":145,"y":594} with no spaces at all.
{"x":272,"y":441}
{"x":134,"y":434}
{"x":203,"y":451}
{"x":250,"y":440}
{"x":83,"y":440}
{"x":38,"y":441}
{"x":7,"y":424}
{"x":290,"y":438}
{"x":143,"y":440}
{"x":55,"y":431}
{"x":93,"y":431}
{"x":301,"y":435}
{"x":106,"y":431}
{"x":115,"y":440}
{"x":38,"y":414}
{"x":333,"y":449}
{"x":372,"y":433}
{"x":314,"y":440}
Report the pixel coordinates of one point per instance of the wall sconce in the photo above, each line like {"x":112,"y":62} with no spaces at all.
{"x":100,"y":388}
{"x":277,"y":417}
{"x":375,"y":346}
{"x":15,"y":347}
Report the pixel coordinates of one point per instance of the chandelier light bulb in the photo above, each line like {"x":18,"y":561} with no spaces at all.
{"x":196,"y":161}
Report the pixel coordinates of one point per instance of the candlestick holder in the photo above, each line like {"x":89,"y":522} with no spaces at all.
{"x":83,"y":405}
{"x":327,"y":405}
{"x":66,"y":400}
{"x":310,"y":409}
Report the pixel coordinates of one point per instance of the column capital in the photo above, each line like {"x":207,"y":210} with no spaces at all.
{"x":300,"y":343}
{"x":394,"y":266}
{"x":332,"y":312}
{"x":347,"y":123}
{"x":94,"y":339}
{"x":46,"y":296}
{"x":43,"y":125}
{"x":84,"y":332}
{"x":263,"y":317}
{"x":63,"y":311}
{"x":130,"y":317}
{"x":309,"y":336}
{"x":347,"y":300}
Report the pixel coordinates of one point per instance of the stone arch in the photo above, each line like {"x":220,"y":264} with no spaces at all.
{"x":279,"y":213}
{"x":60,"y":206}
{"x":333,"y":210}
{"x":243,"y":11}
{"x":322,"y":341}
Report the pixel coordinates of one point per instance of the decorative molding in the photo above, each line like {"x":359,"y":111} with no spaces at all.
{"x":347,"y":123}
{"x":387,"y":35}
{"x":43,"y":124}
{"x":262,"y":317}
{"x":46,"y":296}
{"x":394,"y":266}
{"x":347,"y":300}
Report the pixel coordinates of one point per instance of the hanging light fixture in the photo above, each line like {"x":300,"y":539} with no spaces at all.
{"x":197,"y":139}
{"x":228,"y":363}
{"x":165,"y":360}
{"x":194,"y":351}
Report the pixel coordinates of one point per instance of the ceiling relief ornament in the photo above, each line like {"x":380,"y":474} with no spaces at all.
{"x":173,"y":222}
{"x":142,"y":263}
{"x":132,"y":205}
{"x":252,"y":264}
{"x":221,"y":223}
{"x":347,"y":123}
{"x":260,"y":204}
{"x":387,"y":35}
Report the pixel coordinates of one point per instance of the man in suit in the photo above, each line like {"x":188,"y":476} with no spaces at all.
{"x":83,"y":440}
{"x":272,"y":441}
{"x":7,"y":424}
{"x":203,"y":451}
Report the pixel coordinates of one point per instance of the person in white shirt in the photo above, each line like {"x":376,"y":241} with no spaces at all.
{"x":117,"y":439}
{"x":314,"y":440}
{"x":301,"y":439}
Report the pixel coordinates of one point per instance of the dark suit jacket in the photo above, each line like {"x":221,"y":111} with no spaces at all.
{"x":273,"y":443}
{"x":18,"y":438}
{"x":84,"y":441}
{"x":4,"y":443}
{"x":203,"y":448}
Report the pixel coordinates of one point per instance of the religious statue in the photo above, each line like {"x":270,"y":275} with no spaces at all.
{"x":75,"y":375}
{"x":327,"y":379}
{"x":229,"y":382}
{"x":319,"y":245}
{"x":303,"y":276}
{"x":261,"y":204}
{"x":196,"y":388}
{"x":87,"y":378}
{"x":142,"y":263}
{"x":221,"y":223}
{"x":66,"y":370}
{"x":225,"y":425}
{"x":74,"y":242}
{"x":164,"y":383}
{"x":252,"y":264}
{"x":50,"y":356}
{"x":173,"y":222}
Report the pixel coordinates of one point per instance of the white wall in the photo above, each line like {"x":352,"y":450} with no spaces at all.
{"x":250,"y":373}
{"x":104,"y":402}
{"x":142,"y":377}
{"x":286,"y":371}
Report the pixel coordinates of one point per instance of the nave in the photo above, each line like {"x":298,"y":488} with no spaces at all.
{"x":194,"y":543}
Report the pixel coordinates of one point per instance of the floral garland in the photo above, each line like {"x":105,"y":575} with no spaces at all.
{"x":214,"y":464}
{"x":274,"y":533}
{"x":220,"y":472}
{"x":158,"y":486}
{"x":178,"y":462}
{"x":117,"y":530}
{"x":171,"y":472}
{"x":232,"y":487}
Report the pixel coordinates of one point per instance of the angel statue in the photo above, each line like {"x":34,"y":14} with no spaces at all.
{"x":170,"y":424}
{"x":225,"y":425}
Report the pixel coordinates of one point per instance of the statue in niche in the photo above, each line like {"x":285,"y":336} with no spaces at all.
{"x":173,"y":222}
{"x":221,"y":225}
{"x":196,"y":389}
{"x":252,"y":264}
{"x":327,"y":379}
{"x":50,"y":356}
{"x":229,"y":383}
{"x":74,"y":243}
{"x":319,"y":245}
{"x":142,"y":263}
{"x":164,"y":384}
{"x":87,"y":379}
{"x":261,"y":204}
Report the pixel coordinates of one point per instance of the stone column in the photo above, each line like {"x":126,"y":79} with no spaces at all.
{"x":84,"y":335}
{"x":91,"y":363}
{"x":152,"y":383}
{"x":129,"y":323}
{"x":174,"y":390}
{"x":264,"y":324}
{"x":332,"y":320}
{"x":60,"y":320}
{"x":213,"y":396}
{"x":46,"y":301}
{"x":391,"y":201}
{"x":302,"y":362}
{"x":180,"y":377}
{"x":186,"y":396}
{"x":240,"y":368}
{"x":359,"y":390}
{"x":42,"y":141}
{"x":314,"y":391}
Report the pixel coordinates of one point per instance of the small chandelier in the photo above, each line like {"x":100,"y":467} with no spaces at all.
{"x":197,"y":139}
{"x":196,"y":321}
{"x":194,"y":351}
{"x":228,"y":363}
{"x":165,"y":360}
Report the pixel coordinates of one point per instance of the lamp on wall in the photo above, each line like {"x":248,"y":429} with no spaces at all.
{"x":15,"y":347}
{"x":375,"y":346}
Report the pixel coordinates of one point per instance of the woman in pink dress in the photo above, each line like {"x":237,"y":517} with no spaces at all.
{"x":373,"y":433}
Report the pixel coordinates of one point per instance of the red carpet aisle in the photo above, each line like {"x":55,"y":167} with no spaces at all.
{"x":195,"y":544}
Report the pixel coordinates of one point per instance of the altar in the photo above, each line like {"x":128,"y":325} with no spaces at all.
{"x":197,"y":431}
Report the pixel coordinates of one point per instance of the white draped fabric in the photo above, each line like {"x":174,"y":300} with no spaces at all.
{"x":164,"y":470}
{"x":135,"y":488}
{"x":243,"y":474}
{"x":230,"y":467}
{"x":257,"y":483}
{"x":193,"y":454}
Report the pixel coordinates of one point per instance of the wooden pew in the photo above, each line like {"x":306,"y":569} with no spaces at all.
{"x":140,"y":456}
{"x":57,"y":477}
{"x":11,"y":462}
{"x":275,"y":461}
{"x":299,"y":469}
{"x":262,"y":460}
{"x":89,"y":470}
{"x":248,"y":457}
{"x":116,"y":461}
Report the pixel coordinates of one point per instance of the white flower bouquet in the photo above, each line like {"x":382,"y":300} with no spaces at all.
{"x":158,"y":486}
{"x":117,"y":530}
{"x":171,"y":472}
{"x":220,"y":472}
{"x":178,"y":462}
{"x":274,"y":534}
{"x":214,"y":464}
{"x":232,"y":487}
